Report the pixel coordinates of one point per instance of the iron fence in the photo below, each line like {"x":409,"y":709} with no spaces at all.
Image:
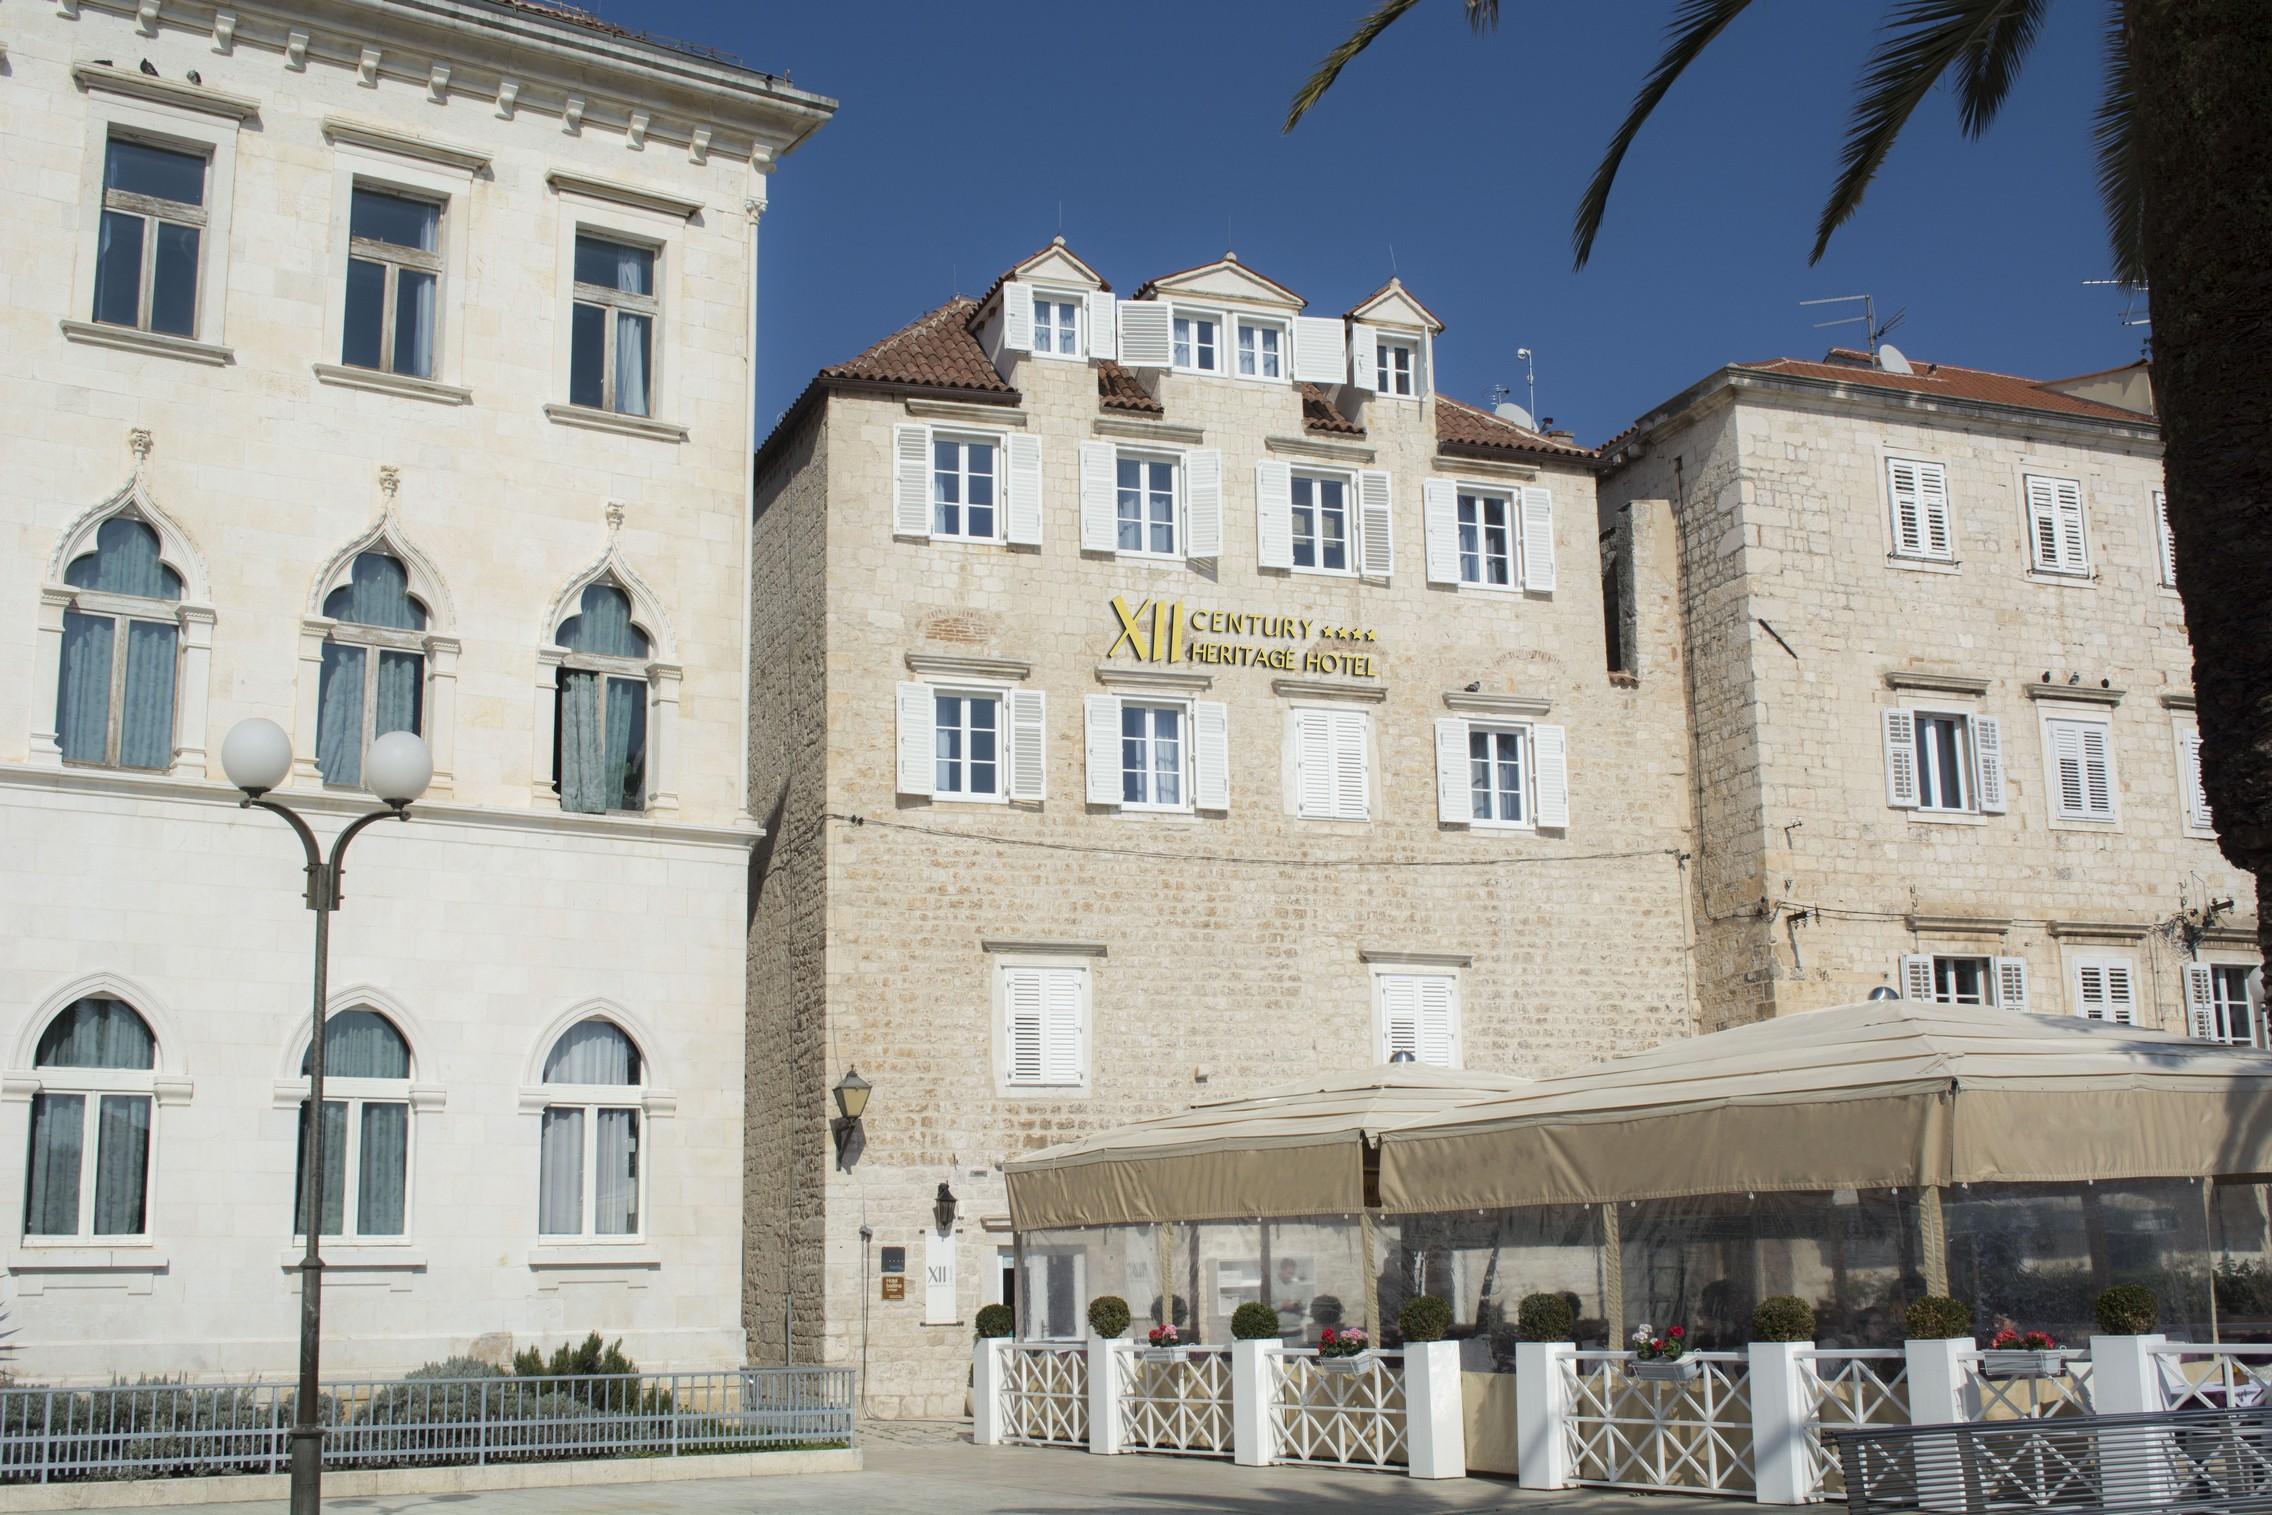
{"x":172,"y":1430}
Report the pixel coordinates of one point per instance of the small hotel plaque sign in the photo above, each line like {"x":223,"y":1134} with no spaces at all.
{"x":1166,"y":631}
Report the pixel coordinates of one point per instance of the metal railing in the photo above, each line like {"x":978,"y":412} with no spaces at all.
{"x":173,"y":1430}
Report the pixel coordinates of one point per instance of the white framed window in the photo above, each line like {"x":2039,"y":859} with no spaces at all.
{"x":1148,"y":503}
{"x":1262,"y":349}
{"x":965,"y":471}
{"x":978,"y":743}
{"x":2164,"y":540}
{"x":1322,"y":520}
{"x":1416,"y":1011}
{"x":1487,"y":548}
{"x":87,"y":1174}
{"x":1498,"y":766}
{"x":957,"y":485}
{"x":1943,"y":762}
{"x":120,"y":651}
{"x":1917,"y":499}
{"x":1320,"y":516}
{"x":2219,"y":1006}
{"x":1332,"y":763}
{"x":1155,"y":754}
{"x":1396,"y":367}
{"x":1042,"y":1016}
{"x":967,"y":746}
{"x":1965,"y":979}
{"x":613,"y":322}
{"x":2056,"y":540}
{"x":150,"y":250}
{"x":2193,"y":797}
{"x":588,"y":1167}
{"x":394,"y":275}
{"x":2105,"y":989}
{"x":1147,"y":500}
{"x":373,"y":676}
{"x":603,"y":685}
{"x":366,"y":1130}
{"x":1152,"y":753}
{"x":1490,"y":537}
{"x":1502,"y":773}
{"x":1057,"y":323}
{"x":2078,"y":754}
{"x":1196,"y":341}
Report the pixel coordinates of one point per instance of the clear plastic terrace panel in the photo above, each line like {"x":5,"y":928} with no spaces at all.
{"x":1059,"y":1272}
{"x":1482,"y":1263}
{"x":1310,"y":1269}
{"x":2240,"y":1236}
{"x":2037,"y":1256}
{"x":1704,"y":1262}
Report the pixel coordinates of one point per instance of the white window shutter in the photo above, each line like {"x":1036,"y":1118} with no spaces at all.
{"x":1400,"y":1015}
{"x":1024,"y":1038}
{"x":2197,"y":812}
{"x":1376,"y":534}
{"x":2043,"y":523}
{"x":911,"y":481}
{"x":1313,"y":765}
{"x":2200,"y":1002}
{"x":2168,"y":542}
{"x":1210,"y":755}
{"x":1017,"y":317}
{"x":1455,"y":800}
{"x":2011,"y":983}
{"x":1900,"y":758}
{"x":1104,"y":330}
{"x":1063,"y":1059}
{"x":1203,"y":503}
{"x":1423,"y":363}
{"x":2074,"y":555}
{"x":1538,"y":538}
{"x":1022,"y":519}
{"x":1988,"y":760}
{"x":1145,"y":333}
{"x":1100,"y":497}
{"x":1439,"y":524}
{"x":1029,"y":744}
{"x":918,"y":741}
{"x":2098,"y":772}
{"x":1317,"y":349}
{"x":1916,"y":976}
{"x":1100,"y":726}
{"x":2121,"y":1002}
{"x":1273,"y":514}
{"x":1438,"y":1033}
{"x":1550,"y":760}
{"x":1939,"y":541}
{"x":1352,"y":776}
{"x":1364,"y":371}
{"x":1908,"y":509}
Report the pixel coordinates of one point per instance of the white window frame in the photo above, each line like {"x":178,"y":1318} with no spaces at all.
{"x":89,"y":1085}
{"x":1078,"y":300}
{"x":1222,"y":364}
{"x":1240,"y":327}
{"x":963,"y":438}
{"x":666,"y":235}
{"x":1382,"y":975}
{"x":119,"y":610}
{"x":591,"y":1099}
{"x":2004,"y":981}
{"x":1000,"y":695}
{"x":2193,"y":812}
{"x":1351,"y":521}
{"x":1929,"y":758}
{"x":1000,"y":969}
{"x":2221,"y":1009}
{"x":395,"y":259}
{"x":154,"y":212}
{"x":1511,"y":496}
{"x":1147,"y":458}
{"x":612,"y":302}
{"x":1187,"y":781}
{"x":1521,"y":731}
{"x":365,"y":165}
{"x":355,"y":1093}
{"x":1931,"y":485}
{"x":1334,"y":714}
{"x":2083,"y":964}
{"x":2061,"y":565}
{"x":2060,"y":816}
{"x":183,"y":130}
{"x":1385,"y":373}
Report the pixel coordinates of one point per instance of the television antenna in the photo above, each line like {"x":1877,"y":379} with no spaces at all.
{"x":1502,"y":398}
{"x":2131,"y":316}
{"x":1873,"y":332}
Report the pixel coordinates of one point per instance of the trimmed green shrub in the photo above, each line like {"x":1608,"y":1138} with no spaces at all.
{"x":1783,"y":1317}
{"x":456,"y":1367}
{"x":996,"y":1320}
{"x":1108,"y":1315}
{"x":1178,"y":1305}
{"x":1424,"y":1318}
{"x":1936,"y":1317}
{"x":1254,"y":1321}
{"x":1326,"y":1310}
{"x":1544,"y":1317}
{"x":2127,"y":1310}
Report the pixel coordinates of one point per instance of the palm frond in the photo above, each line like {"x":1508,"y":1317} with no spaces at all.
{"x":1341,"y":57}
{"x":2121,"y":187}
{"x":1924,"y":39}
{"x":1986,"y":69}
{"x":1482,"y":16}
{"x":1692,"y":29}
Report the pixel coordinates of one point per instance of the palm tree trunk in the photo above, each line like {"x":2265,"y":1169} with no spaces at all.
{"x":2204,"y":113}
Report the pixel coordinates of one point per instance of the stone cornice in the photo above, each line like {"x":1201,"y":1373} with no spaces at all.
{"x":203,"y":99}
{"x":1477,"y":703}
{"x":379,"y":139}
{"x":1469,"y":463}
{"x":2077,"y":694}
{"x":1317,"y":447}
{"x":934,"y":665}
{"x":1389,"y":955}
{"x":1934,"y":683}
{"x":962,"y":410}
{"x":638,"y":197}
{"x":1148,"y":431}
{"x":2114,"y":931}
{"x":2177,"y":699}
{"x":1923,"y":923}
{"x":1328,"y":689}
{"x":1119,"y":676}
{"x":1021,"y":947}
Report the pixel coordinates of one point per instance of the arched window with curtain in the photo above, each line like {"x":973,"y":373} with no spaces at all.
{"x":366,"y":1130}
{"x":588,"y":1164}
{"x":89,"y":1168}
{"x":114,"y":704}
{"x":374,"y":666}
{"x":599,"y":758}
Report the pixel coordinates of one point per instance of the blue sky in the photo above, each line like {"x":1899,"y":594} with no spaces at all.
{"x":967,"y":129}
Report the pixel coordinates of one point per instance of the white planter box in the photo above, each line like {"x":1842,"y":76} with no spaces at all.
{"x":1679,"y":1370}
{"x":2049,"y":1363}
{"x":1159,"y":1354}
{"x":1344,"y":1364}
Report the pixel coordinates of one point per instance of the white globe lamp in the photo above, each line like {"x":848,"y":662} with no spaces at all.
{"x":398,"y":768}
{"x":256,"y":755}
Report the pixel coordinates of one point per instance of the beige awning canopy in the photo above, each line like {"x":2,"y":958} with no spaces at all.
{"x":1295,"y":1150}
{"x":1891,"y":1093}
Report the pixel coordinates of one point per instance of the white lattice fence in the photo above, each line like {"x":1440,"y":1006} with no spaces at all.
{"x":1850,"y":1389}
{"x":1629,"y":1432}
{"x":1181,"y":1404}
{"x":2215,"y":1378}
{"x":1045,"y":1394}
{"x":1349,"y":1417}
{"x":2067,"y":1392}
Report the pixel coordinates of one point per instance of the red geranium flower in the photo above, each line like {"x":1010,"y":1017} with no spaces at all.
{"x":1677,"y":1332}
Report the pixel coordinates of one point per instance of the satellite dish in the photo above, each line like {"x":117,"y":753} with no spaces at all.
{"x":1508,"y":410}
{"x":1892,"y":359}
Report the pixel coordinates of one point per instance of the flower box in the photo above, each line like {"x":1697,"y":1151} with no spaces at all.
{"x":1662,"y":1370}
{"x":1159,"y":1354}
{"x":1354,"y":1364}
{"x":2021,"y":1362}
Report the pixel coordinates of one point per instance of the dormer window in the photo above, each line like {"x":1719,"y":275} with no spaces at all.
{"x":1394,"y":363}
{"x":1057,"y":325}
{"x":1262,"y":350}
{"x":1197,"y":339}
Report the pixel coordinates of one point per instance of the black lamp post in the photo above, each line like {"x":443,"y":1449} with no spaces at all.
{"x":851,"y":1093}
{"x":943,"y":1209}
{"x":257,"y":756}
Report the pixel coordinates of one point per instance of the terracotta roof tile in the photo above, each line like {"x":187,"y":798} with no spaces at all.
{"x":1104,"y":285}
{"x":1459,"y":424}
{"x":1320,"y":414}
{"x":1119,"y":389}
{"x":936,"y":351}
{"x":1848,"y":366}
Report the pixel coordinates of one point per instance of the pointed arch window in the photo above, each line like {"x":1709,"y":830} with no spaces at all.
{"x":89,"y":1166}
{"x":588,"y":1165}
{"x":114,"y":705}
{"x":599,"y":758}
{"x":366,"y":1113}
{"x":373,"y":678}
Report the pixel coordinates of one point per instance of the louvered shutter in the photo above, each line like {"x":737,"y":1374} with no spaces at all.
{"x":1900,"y":758}
{"x":1550,"y":757}
{"x":1988,"y":761}
{"x":1211,"y":755}
{"x":2043,"y":523}
{"x":1933,"y":510}
{"x":1313,"y":765}
{"x":1022,"y":518}
{"x":1364,"y":367}
{"x":1908,"y":512}
{"x":2074,"y":556}
{"x":1439,"y":524}
{"x":2011,"y":983}
{"x":1100,"y":726}
{"x":2200,"y":1002}
{"x":1063,"y":1059}
{"x":1538,"y":538}
{"x":1455,"y":799}
{"x":911,"y":481}
{"x":2121,"y":1002}
{"x":1145,"y":340}
{"x":1317,"y":349}
{"x":2098,"y":772}
{"x":1423,"y":363}
{"x":1017,"y":317}
{"x":918,"y":742}
{"x":1203,"y":503}
{"x":1400,"y":1015}
{"x":2104,"y":990}
{"x":1916,"y":976}
{"x":2197,"y":812}
{"x":1438,"y":1016}
{"x":2168,"y":542}
{"x":1352,"y":787}
{"x":1029,"y":744}
{"x":1104,"y":330}
{"x":1273,"y":514}
{"x":1376,"y":529}
{"x":1100,"y":496}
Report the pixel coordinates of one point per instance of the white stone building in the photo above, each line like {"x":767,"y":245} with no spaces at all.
{"x":374,"y":366}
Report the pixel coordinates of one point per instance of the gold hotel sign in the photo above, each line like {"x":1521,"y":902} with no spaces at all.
{"x":1166,"y":631}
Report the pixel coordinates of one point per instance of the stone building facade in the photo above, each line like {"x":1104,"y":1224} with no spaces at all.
{"x":375,"y":366}
{"x":1941,"y":694}
{"x":1132,"y":673}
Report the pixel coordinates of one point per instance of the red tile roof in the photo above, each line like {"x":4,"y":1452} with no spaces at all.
{"x":1119,"y":389}
{"x":936,"y":351}
{"x":1845,"y":365}
{"x":1320,"y":414}
{"x":1459,"y":424}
